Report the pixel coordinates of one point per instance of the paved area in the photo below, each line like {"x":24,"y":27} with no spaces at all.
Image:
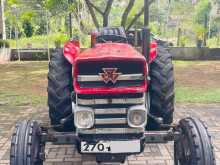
{"x":67,"y":155}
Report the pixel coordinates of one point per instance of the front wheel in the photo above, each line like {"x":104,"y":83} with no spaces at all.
{"x":194,"y":146}
{"x":26,"y":147}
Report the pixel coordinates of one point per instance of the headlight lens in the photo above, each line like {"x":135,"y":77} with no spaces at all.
{"x":84,"y":118}
{"x":137,"y":117}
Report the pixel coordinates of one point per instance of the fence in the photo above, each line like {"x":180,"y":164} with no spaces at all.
{"x":30,"y":54}
{"x":184,"y":53}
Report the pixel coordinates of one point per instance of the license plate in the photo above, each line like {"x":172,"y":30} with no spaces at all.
{"x":111,"y":147}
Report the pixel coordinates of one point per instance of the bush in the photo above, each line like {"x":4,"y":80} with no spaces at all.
{"x":28,"y":28}
{"x":213,"y":42}
{"x":183,"y":41}
{"x":42,"y":28}
{"x":4,"y":44}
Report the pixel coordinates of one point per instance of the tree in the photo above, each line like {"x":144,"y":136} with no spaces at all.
{"x":202,"y":10}
{"x":93,"y":9}
{"x":105,"y":13}
{"x":28,"y":28}
{"x":214,"y":24}
{"x":27,"y":19}
{"x":126,"y":12}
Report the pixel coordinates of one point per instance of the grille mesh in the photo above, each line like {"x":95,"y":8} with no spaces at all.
{"x":112,"y":115}
{"x":123,"y":67}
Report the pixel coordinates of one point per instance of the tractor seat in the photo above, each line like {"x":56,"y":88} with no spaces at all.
{"x":111,"y":34}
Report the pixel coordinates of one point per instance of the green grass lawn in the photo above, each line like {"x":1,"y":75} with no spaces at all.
{"x":194,"y":95}
{"x":25,"y":83}
{"x":197,"y":81}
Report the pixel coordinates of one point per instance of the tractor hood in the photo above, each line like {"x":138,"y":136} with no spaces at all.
{"x":110,"y":51}
{"x":113,"y":60}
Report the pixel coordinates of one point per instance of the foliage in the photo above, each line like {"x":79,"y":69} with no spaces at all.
{"x":183,"y":41}
{"x":200,"y":31}
{"x":4,"y":43}
{"x":12,"y":2}
{"x":41,"y":29}
{"x":28,"y":28}
{"x":37,"y":41}
{"x":59,"y":40}
{"x":56,"y":7}
{"x":214,"y":42}
{"x":202,"y":11}
{"x":166,"y":17}
{"x":155,"y":28}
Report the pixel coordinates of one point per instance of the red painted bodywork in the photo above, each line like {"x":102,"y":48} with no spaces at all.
{"x":153,"y":51}
{"x":71,"y":50}
{"x":107,"y":52}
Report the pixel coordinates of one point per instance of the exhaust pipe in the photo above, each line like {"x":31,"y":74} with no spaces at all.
{"x":146,"y":32}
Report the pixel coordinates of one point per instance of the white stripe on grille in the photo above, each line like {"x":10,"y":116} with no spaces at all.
{"x":110,"y":111}
{"x":111,"y":121}
{"x":93,"y":78}
{"x":110,"y":101}
{"x":111,"y":130}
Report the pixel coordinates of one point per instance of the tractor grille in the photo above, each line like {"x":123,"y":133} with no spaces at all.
{"x":130,"y":73}
{"x":111,"y":113}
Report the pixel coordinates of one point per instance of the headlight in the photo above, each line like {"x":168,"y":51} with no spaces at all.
{"x":83,"y":117}
{"x":137,"y":116}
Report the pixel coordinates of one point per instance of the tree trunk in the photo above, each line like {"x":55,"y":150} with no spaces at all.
{"x":137,"y":16}
{"x":178,"y":36}
{"x":126,"y":12}
{"x":205,"y":33}
{"x":92,"y":13}
{"x":218,"y":38}
{"x":106,"y":13}
{"x":81,"y":24}
{"x":2,"y":20}
{"x":70,"y":25}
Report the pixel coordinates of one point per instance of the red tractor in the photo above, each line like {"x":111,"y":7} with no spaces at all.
{"x":111,"y":101}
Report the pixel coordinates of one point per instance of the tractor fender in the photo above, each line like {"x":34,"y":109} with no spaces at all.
{"x":71,"y":50}
{"x":153,"y":51}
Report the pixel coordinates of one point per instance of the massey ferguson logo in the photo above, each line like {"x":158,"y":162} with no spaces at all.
{"x":110,"y":75}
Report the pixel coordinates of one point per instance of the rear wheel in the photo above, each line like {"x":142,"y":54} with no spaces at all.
{"x":60,"y":86}
{"x":26,"y":147}
{"x":161,"y":90}
{"x":194,"y":146}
